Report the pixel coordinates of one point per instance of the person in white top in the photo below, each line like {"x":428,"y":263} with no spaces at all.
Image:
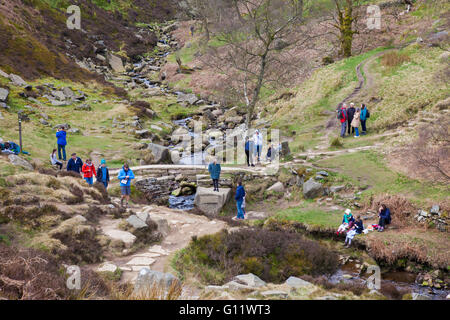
{"x":258,"y":141}
{"x":54,"y":160}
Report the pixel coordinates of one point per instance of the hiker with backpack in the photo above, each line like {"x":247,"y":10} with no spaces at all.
{"x":342,"y":116}
{"x":89,"y":173}
{"x":103,"y":173}
{"x":365,"y":114}
{"x":125,"y":176}
{"x":350,"y":116}
{"x":356,"y":122}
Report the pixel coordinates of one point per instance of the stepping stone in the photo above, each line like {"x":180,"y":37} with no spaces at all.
{"x":158,"y":249}
{"x":126,"y":237}
{"x":148,"y":255}
{"x":126,"y":269}
{"x":107,"y":267}
{"x":141,"y":261}
{"x":137,"y":269}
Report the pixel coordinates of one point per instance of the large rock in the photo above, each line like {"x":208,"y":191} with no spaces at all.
{"x":189,"y":98}
{"x":335,"y":189}
{"x":4,"y":74}
{"x":4,"y":94}
{"x":160,"y":153}
{"x":115,"y":63}
{"x":211,"y":202}
{"x":419,"y":296}
{"x":142,"y":134}
{"x":296,"y":283}
{"x":277,"y":187}
{"x":18,"y":161}
{"x":250,"y":280}
{"x":312,"y":189}
{"x":17,"y":80}
{"x":58,"y":94}
{"x":125,"y":237}
{"x":148,"y":278}
{"x":136,"y":222}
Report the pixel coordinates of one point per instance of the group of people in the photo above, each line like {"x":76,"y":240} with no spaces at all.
{"x":353,"y":226}
{"x":352,"y":118}
{"x":254,"y":146}
{"x":87,"y":169}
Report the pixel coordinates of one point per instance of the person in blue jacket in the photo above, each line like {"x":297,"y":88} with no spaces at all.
{"x":62,"y":142}
{"x":385,"y":217}
{"x":249,"y":151}
{"x":214,"y":171}
{"x":357,"y":228}
{"x":75,"y":163}
{"x":363,"y":118}
{"x":239,"y":197}
{"x":125,"y":176}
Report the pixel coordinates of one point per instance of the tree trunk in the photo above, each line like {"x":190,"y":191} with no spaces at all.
{"x":205,"y":26}
{"x":251,"y":106}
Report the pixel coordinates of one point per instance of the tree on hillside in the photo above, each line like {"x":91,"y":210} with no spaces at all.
{"x":345,"y":20}
{"x":255,"y":39}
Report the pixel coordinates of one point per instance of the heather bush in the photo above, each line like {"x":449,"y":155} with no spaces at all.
{"x":272,"y":255}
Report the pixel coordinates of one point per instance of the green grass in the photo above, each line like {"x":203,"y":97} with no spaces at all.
{"x":311,"y":216}
{"x":367,"y":168}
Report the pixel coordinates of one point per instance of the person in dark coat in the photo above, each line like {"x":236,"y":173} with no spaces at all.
{"x":214,"y":171}
{"x":75,"y":163}
{"x":249,"y":151}
{"x":350,"y":114}
{"x":103,"y":173}
{"x":385,"y":217}
{"x":239,"y":197}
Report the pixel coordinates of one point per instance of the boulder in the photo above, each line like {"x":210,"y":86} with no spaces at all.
{"x":296,"y":283}
{"x":445,"y":57}
{"x":334,"y":189}
{"x":3,"y":94}
{"x":18,"y":161}
{"x":323,"y":173}
{"x":115,"y":63}
{"x":163,"y":225}
{"x":3,"y":74}
{"x":59,"y":95}
{"x":148,"y":278}
{"x":142,"y":134}
{"x":312,"y":189}
{"x":277,"y":187}
{"x":435,"y":209}
{"x":136,"y":222}
{"x":273,"y":294}
{"x":250,"y":280}
{"x":189,"y":98}
{"x":211,"y":202}
{"x":17,"y":80}
{"x":124,"y":237}
{"x":68,"y":93}
{"x":160,"y":153}
{"x":419,"y":296}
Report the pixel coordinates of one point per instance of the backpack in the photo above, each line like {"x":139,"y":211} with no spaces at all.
{"x":367,"y":114}
{"x":340,"y":114}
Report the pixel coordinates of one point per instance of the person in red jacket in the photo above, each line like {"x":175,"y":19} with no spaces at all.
{"x":89,"y":173}
{"x":342,"y":116}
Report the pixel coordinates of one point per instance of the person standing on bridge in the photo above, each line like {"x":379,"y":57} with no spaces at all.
{"x":125,"y":176}
{"x":214,"y":171}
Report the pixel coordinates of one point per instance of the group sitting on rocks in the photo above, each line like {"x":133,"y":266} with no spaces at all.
{"x":352,"y":118}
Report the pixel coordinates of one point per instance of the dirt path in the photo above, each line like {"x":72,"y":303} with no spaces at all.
{"x":182,"y":227}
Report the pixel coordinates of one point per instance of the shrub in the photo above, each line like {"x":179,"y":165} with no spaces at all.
{"x":272,"y":255}
{"x":78,"y":196}
{"x":336,"y":142}
{"x":394,"y":59}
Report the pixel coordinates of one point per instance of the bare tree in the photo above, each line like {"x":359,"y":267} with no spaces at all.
{"x":430,"y":152}
{"x":256,"y":37}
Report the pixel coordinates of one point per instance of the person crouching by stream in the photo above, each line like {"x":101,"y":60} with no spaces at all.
{"x":89,"y":173}
{"x":103,"y":173}
{"x":125,"y":176}
{"x":347,"y":222}
{"x":239,"y":197}
{"x":357,"y":228}
{"x":214,"y":171}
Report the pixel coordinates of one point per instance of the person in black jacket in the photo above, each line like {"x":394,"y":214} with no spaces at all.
{"x":103,"y":173}
{"x":357,"y":228}
{"x":74,"y":164}
{"x":350,"y":114}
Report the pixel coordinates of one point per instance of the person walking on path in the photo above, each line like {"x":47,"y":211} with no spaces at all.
{"x":249,"y":146}
{"x":258,"y":141}
{"x":357,"y":228}
{"x":74,"y":164}
{"x":125,"y":176}
{"x":239,"y":197}
{"x":54,"y":161}
{"x":89,"y":173}
{"x":214,"y":171}
{"x":364,"y":115}
{"x":103,"y":173}
{"x":385,"y":217}
{"x":342,"y":116}
{"x":350,"y":116}
{"x":62,"y":142}
{"x":356,"y":122}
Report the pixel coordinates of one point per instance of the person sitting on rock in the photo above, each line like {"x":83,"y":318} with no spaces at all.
{"x":385,"y":217}
{"x":54,"y":161}
{"x":214,"y":171}
{"x":346,"y":221}
{"x":357,"y":228}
